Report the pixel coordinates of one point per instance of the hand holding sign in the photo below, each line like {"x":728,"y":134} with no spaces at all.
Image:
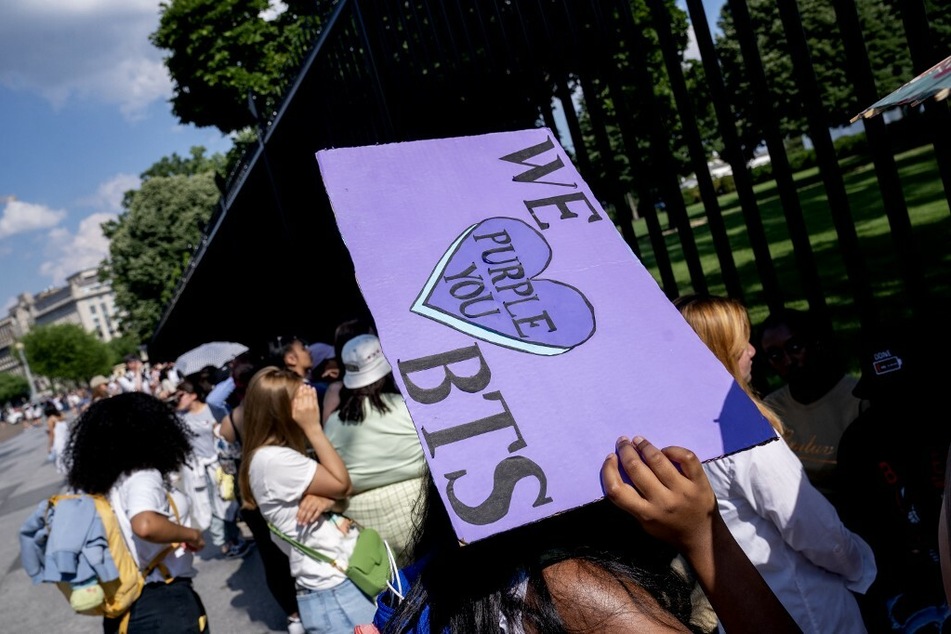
{"x":675,"y":505}
{"x":673,"y":500}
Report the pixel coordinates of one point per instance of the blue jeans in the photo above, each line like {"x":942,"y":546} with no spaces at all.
{"x":334,"y":610}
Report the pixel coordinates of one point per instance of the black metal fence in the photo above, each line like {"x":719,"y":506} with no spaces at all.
{"x":607,"y":77}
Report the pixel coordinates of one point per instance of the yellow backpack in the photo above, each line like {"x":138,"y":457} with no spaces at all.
{"x":113,"y":598}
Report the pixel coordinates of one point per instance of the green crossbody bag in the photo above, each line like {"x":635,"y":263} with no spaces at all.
{"x":371,"y":563}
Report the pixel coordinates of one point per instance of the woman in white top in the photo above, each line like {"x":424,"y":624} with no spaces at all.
{"x":374,"y":434}
{"x":789,"y":530}
{"x":126,"y":447}
{"x":281,"y":419}
{"x":58,"y":430}
{"x":209,"y":509}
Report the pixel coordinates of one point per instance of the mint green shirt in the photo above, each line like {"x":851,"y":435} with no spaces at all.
{"x":383,"y":449}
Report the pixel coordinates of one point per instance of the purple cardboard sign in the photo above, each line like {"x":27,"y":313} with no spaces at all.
{"x":523,"y":332}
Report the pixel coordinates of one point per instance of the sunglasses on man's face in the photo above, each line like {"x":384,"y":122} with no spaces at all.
{"x":791,"y":347}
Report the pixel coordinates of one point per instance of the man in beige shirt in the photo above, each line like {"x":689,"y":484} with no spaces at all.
{"x":816,"y":403}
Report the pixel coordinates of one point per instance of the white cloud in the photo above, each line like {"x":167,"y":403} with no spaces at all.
{"x":94,"y":50}
{"x":21,"y":217}
{"x":108,"y":196}
{"x":274,"y":9}
{"x":68,"y":252}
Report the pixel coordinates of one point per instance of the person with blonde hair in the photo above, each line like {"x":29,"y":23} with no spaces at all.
{"x":723,"y":324}
{"x":294,"y":492}
{"x":789,"y":530}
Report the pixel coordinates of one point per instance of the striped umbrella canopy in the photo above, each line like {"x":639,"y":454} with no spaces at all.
{"x":935,"y":83}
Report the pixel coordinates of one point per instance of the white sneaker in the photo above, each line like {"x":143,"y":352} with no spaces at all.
{"x":294,"y":626}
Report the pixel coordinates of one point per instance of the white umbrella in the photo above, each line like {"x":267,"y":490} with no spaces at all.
{"x":213,"y":353}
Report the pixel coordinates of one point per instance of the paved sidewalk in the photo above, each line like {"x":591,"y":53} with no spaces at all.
{"x":233,"y":591}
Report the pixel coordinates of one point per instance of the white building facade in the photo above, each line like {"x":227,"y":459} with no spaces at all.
{"x":83,"y":300}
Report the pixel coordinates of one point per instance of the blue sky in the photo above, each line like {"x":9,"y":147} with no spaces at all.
{"x":83,"y":111}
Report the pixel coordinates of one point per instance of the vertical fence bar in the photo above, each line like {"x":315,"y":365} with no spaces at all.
{"x":373,"y":71}
{"x":918,"y":33}
{"x":886,"y":169}
{"x":828,"y":163}
{"x":798,"y":233}
{"x":698,"y":156}
{"x":666,"y":175}
{"x":733,"y":153}
{"x":623,"y":213}
{"x":609,"y":187}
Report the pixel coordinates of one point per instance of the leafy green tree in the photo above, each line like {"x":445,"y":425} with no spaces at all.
{"x":65,"y":351}
{"x":219,"y":51}
{"x":119,"y":347}
{"x":195,"y":163}
{"x":153,"y":239}
{"x":13,"y":387}
{"x":636,"y":119}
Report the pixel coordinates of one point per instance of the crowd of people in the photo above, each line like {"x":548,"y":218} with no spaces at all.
{"x":830,"y":527}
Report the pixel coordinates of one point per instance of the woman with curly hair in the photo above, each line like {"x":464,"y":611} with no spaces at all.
{"x":293,"y":491}
{"x":789,"y":530}
{"x":125,"y":447}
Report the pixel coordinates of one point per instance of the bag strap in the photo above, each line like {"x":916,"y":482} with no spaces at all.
{"x":307,"y":550}
{"x":158,"y":560}
{"x":54,"y":500}
{"x":237,"y":432}
{"x":397,"y":590}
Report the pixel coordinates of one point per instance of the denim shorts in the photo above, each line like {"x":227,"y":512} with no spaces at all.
{"x":337,"y":609}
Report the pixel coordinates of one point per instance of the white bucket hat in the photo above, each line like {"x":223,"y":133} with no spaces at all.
{"x":363,"y":361}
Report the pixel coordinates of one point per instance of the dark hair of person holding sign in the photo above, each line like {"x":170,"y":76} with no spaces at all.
{"x":591,"y":569}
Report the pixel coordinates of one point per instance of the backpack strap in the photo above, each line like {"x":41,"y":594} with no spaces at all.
{"x":307,"y":550}
{"x":55,"y":499}
{"x":159,"y":560}
{"x":237,"y":432}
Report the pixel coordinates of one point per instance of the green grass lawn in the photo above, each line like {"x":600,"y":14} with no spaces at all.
{"x":930,"y":218}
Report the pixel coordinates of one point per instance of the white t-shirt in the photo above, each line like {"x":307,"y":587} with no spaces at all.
{"x":145,"y":491}
{"x":793,"y":536}
{"x":130,"y":382}
{"x":279,"y":477}
{"x":202,"y":423}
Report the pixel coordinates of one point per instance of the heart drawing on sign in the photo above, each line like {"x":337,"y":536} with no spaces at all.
{"x":486,"y":286}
